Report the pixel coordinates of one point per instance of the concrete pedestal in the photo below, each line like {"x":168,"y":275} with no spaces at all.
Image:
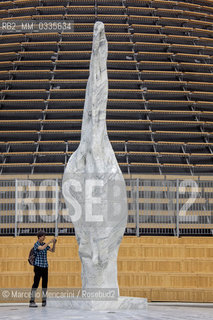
{"x":122,"y":303}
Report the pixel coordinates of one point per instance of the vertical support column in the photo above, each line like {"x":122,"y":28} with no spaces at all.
{"x":96,"y":10}
{"x":177,"y":208}
{"x":56,"y":207}
{"x":137,"y":208}
{"x":16,"y":206}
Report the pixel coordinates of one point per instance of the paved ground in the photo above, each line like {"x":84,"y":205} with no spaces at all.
{"x":153,"y":312}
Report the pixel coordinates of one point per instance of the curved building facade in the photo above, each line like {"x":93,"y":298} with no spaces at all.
{"x":160,"y":69}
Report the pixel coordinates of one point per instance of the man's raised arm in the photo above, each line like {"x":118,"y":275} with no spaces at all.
{"x":45,"y":245}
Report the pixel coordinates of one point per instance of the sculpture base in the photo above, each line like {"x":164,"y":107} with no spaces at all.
{"x":122,"y":303}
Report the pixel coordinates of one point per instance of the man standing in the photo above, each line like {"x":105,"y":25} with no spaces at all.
{"x":41,"y":267}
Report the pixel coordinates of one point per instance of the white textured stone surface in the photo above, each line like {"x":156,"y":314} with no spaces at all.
{"x":93,"y":163}
{"x":95,"y":159}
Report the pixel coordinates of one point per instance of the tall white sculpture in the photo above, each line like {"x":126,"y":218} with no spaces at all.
{"x":93,"y":185}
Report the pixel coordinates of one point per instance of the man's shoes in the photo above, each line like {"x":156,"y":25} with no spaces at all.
{"x":33,"y":305}
{"x":44,"y":303}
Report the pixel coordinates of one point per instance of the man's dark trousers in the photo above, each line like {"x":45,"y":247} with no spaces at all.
{"x":39,"y":273}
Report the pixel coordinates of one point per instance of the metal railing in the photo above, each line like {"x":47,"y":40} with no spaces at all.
{"x":155,"y":207}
